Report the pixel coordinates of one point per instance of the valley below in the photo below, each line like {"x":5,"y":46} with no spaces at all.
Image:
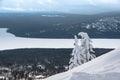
{"x":39,"y":45}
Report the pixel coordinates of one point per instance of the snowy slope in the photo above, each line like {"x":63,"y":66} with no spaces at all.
{"x":105,"y":67}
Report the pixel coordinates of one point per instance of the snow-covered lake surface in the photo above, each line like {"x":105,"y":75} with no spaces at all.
{"x":9,"y":41}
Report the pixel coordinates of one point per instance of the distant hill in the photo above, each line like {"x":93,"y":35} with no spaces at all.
{"x":61,"y":25}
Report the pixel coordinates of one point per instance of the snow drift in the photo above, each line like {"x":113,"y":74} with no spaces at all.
{"x":105,"y":67}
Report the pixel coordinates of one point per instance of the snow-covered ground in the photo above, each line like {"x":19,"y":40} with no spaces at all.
{"x":52,"y":16}
{"x":105,"y":67}
{"x":9,"y":41}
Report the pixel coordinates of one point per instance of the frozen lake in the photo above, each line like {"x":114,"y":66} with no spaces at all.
{"x":9,"y":41}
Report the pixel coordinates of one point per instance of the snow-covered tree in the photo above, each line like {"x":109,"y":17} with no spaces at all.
{"x":86,"y":47}
{"x":76,"y":55}
{"x":83,"y":53}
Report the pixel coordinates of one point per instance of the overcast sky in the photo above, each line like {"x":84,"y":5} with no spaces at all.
{"x":70,"y":6}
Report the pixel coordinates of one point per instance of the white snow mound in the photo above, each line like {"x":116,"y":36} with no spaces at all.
{"x":105,"y":67}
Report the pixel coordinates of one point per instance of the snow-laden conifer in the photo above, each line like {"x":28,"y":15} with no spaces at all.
{"x":81,"y":53}
{"x":86,"y":47}
{"x":75,"y":59}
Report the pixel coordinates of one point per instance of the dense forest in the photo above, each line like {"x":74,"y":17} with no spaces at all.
{"x":43,"y":61}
